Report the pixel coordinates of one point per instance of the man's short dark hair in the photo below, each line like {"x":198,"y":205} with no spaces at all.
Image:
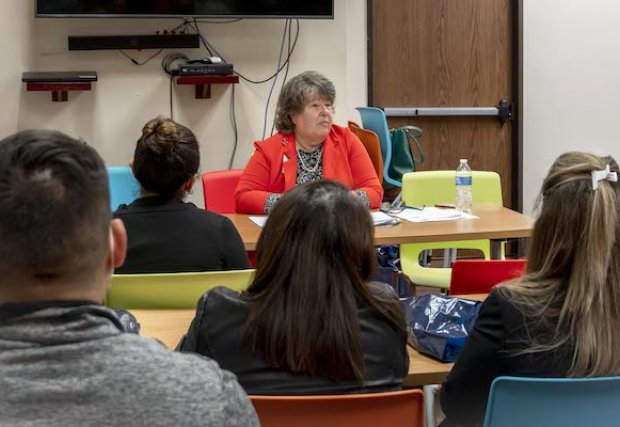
{"x":54,"y":206}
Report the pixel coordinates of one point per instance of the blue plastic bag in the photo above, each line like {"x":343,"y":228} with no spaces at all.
{"x":439,"y":325}
{"x":388,"y":270}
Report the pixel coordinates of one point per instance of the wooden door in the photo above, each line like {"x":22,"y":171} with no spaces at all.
{"x":448,"y":53}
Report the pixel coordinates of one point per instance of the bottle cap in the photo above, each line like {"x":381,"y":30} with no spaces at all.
{"x":463,"y":160}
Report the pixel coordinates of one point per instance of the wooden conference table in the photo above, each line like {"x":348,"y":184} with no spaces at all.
{"x":493,"y":222}
{"x":169,"y":325}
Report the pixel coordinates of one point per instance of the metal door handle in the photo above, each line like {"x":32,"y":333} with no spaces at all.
{"x":503,"y":111}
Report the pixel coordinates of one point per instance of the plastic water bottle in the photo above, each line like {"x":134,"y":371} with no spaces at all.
{"x":463,"y":182}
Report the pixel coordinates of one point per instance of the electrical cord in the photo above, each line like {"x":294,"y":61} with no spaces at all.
{"x":273,"y":124}
{"x":233,"y":112}
{"x":170,"y":59}
{"x":211,"y":49}
{"x":171,"y":97}
{"x":275,"y":80}
{"x":135,"y":61}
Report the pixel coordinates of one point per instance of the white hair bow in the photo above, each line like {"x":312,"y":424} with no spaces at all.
{"x":603,"y":174}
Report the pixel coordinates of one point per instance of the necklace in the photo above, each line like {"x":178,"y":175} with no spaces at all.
{"x":303,"y":164}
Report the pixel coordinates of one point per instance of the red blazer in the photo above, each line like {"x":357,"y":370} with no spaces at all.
{"x":273,"y":169}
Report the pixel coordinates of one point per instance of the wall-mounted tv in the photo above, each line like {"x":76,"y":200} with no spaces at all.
{"x":186,"y":8}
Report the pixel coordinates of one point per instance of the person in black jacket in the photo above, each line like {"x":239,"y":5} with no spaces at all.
{"x":166,"y":234}
{"x":310,"y":322}
{"x":561,"y":318}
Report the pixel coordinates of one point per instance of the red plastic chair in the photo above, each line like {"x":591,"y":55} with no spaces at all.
{"x":390,"y":409}
{"x":479,"y":276}
{"x":219,"y":190}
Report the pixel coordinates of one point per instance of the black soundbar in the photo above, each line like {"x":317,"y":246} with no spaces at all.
{"x":155,"y":41}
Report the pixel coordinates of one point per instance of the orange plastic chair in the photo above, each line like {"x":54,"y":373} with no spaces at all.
{"x":219,"y":190}
{"x":391,"y":409}
{"x":373,"y":146}
{"x":479,"y":276}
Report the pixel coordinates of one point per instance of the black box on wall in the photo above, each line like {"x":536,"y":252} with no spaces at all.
{"x":155,"y":41}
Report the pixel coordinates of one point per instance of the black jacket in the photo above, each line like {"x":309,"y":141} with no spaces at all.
{"x":492,"y":351}
{"x":217,"y":330}
{"x":170,"y":236}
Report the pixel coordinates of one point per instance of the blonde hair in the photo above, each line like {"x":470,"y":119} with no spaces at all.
{"x":572,"y":283}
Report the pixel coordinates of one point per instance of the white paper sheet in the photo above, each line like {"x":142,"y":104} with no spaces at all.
{"x":431,"y":213}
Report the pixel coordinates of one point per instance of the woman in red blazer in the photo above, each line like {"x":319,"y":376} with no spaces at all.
{"x":307,"y":147}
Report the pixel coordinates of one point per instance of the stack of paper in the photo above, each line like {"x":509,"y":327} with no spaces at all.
{"x":431,"y":213}
{"x":380,"y":218}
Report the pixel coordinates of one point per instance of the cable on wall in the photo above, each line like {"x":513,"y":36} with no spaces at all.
{"x":273,"y":85}
{"x":292,"y":43}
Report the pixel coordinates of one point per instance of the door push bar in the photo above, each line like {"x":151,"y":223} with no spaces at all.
{"x":503,"y":111}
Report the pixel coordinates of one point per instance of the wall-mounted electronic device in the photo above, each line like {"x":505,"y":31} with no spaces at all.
{"x":186,"y":8}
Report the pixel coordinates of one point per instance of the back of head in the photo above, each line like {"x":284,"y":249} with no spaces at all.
{"x":166,"y":156}
{"x":313,"y":259}
{"x":573,"y":270}
{"x":54,"y":208}
{"x":296,"y":92}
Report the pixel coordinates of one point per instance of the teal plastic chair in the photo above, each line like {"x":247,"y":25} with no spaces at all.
{"x":550,"y":402}
{"x":374,"y":119}
{"x":430,"y":188}
{"x":124,"y":188}
{"x":170,"y":290}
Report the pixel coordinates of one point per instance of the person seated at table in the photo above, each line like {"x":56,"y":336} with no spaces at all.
{"x":310,"y":322}
{"x":66,"y":360}
{"x":166,"y":234}
{"x":561,"y":318}
{"x":307,"y":147}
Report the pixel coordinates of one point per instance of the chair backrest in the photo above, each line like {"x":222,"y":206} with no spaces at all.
{"x":170,"y":290}
{"x":566,"y":402}
{"x":479,"y":276}
{"x":437,"y":187}
{"x":390,"y":409}
{"x":373,"y":147}
{"x":374,"y":119}
{"x":219,"y":190}
{"x":124,"y":188}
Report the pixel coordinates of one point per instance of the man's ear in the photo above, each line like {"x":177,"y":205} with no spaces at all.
{"x":118,"y":243}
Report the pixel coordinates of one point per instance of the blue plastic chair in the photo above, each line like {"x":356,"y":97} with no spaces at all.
{"x":124,"y":188}
{"x":548,"y":402}
{"x":374,"y":119}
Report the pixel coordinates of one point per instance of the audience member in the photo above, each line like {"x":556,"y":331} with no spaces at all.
{"x":307,"y":147}
{"x":64,"y":358}
{"x":166,"y":234}
{"x":560,"y":319}
{"x":310,"y":322}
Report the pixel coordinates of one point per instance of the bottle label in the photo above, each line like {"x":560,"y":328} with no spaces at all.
{"x":463,"y":180}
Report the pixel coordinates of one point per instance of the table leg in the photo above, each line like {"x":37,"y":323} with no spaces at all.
{"x":496,"y":248}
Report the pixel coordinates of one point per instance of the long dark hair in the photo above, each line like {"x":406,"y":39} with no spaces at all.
{"x":313,"y":259}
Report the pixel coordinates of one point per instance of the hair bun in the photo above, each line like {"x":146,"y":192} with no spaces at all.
{"x":162,"y":135}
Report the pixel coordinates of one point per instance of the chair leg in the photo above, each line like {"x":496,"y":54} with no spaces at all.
{"x":429,"y":404}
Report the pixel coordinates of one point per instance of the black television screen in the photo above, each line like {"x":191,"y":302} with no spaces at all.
{"x":186,"y":8}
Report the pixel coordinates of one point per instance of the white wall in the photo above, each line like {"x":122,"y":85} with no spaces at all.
{"x":111,"y":115}
{"x":571,"y":79}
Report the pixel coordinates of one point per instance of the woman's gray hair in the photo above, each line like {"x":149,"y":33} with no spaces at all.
{"x":296,"y":92}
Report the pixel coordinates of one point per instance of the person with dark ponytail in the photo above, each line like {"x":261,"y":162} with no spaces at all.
{"x":166,"y":234}
{"x":561,"y":318}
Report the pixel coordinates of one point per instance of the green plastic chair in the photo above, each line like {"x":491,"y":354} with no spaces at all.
{"x":430,"y":188}
{"x":170,"y":290}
